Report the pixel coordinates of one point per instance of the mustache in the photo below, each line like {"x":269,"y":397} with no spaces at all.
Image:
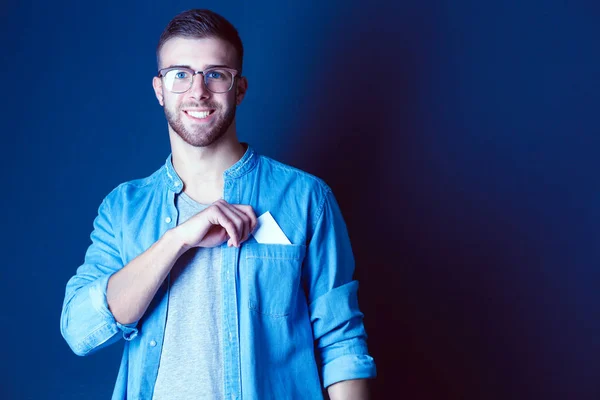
{"x":199,"y":105}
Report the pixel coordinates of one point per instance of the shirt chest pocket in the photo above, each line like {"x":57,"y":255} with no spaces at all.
{"x":272,"y":274}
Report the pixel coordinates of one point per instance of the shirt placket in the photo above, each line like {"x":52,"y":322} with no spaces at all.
{"x":231,"y":353}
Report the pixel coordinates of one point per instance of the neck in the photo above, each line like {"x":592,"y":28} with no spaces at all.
{"x":201,"y":168}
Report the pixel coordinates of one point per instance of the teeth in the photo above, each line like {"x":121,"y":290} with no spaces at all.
{"x":199,"y":114}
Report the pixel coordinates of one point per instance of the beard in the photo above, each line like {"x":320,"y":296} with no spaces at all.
{"x":198,"y":135}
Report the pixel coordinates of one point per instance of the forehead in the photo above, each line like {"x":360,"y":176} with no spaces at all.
{"x":197,"y":53}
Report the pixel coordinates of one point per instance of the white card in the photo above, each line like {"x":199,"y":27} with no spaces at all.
{"x":268,"y":231}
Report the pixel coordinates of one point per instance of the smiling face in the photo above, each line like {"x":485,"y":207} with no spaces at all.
{"x":198,"y":116}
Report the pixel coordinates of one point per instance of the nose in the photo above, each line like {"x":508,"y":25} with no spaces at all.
{"x":199,"y":89}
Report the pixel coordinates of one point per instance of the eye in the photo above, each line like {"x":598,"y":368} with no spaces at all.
{"x":215,"y":75}
{"x":180,"y":74}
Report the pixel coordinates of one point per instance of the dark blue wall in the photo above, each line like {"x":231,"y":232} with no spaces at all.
{"x":460,"y":138}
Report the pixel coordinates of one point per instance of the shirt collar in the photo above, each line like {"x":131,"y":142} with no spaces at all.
{"x":240,"y":168}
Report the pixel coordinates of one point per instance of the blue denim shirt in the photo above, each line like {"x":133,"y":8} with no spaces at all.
{"x":291,"y":322}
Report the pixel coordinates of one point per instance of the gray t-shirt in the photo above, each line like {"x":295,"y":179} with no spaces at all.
{"x":191,"y":362}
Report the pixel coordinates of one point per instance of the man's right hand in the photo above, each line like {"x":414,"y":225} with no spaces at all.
{"x":219,"y":222}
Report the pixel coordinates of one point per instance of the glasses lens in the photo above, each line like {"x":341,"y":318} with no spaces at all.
{"x":178,"y":80}
{"x":218,"y":80}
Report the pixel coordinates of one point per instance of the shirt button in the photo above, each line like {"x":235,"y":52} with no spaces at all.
{"x":153,"y":343}
{"x":168,"y":220}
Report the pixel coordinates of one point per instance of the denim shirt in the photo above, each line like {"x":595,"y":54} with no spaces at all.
{"x":291,"y":322}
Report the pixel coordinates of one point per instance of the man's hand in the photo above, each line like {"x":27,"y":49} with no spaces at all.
{"x":219,"y":222}
{"x":131,"y":289}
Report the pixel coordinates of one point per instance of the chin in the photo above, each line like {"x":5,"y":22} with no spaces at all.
{"x":202,"y":141}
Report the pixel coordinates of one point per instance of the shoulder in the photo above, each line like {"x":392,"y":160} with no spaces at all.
{"x":295,"y":189}
{"x":287,"y":174}
{"x":136,"y":188}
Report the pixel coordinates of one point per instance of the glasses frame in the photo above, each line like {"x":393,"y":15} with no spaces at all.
{"x":232,"y":71}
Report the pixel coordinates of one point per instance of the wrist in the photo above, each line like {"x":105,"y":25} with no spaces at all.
{"x":174,"y":240}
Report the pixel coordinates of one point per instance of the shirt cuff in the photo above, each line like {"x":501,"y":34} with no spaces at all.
{"x":97,"y":293}
{"x":352,"y":366}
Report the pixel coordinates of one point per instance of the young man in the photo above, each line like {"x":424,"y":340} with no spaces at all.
{"x":212,"y":301}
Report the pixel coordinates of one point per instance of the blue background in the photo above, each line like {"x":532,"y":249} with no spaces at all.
{"x":460,"y":138}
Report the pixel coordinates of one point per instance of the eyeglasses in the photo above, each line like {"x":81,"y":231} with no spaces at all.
{"x":180,"y":79}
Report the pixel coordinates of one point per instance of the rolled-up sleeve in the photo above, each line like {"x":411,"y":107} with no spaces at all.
{"x":86,"y":322}
{"x":333,"y":303}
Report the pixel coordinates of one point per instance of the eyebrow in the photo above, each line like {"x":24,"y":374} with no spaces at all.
{"x":206,"y":67}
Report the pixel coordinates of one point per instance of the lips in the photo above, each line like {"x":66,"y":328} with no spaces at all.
{"x":199,"y":114}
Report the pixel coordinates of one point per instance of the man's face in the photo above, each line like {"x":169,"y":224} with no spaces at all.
{"x":199,"y":116}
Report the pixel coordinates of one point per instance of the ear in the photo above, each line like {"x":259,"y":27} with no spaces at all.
{"x":240,"y":89}
{"x":158,"y":90}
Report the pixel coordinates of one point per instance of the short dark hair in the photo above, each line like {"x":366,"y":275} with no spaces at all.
{"x":200,"y":24}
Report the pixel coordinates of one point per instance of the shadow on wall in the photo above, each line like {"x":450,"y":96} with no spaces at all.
{"x":362,"y":138}
{"x":424,"y":293}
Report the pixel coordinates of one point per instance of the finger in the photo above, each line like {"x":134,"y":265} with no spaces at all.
{"x":231,"y":221}
{"x":246,"y":220}
{"x":249,"y":212}
{"x":216,"y":216}
{"x":247,"y":223}
{"x":246,"y":215}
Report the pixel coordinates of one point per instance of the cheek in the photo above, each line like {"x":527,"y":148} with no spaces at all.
{"x":172,"y":103}
{"x":232,"y":99}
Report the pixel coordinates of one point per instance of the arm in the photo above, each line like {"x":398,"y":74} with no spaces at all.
{"x":85,"y":322}
{"x":104,"y":298}
{"x":131,"y":289}
{"x":356,"y":389}
{"x":333,"y":304}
